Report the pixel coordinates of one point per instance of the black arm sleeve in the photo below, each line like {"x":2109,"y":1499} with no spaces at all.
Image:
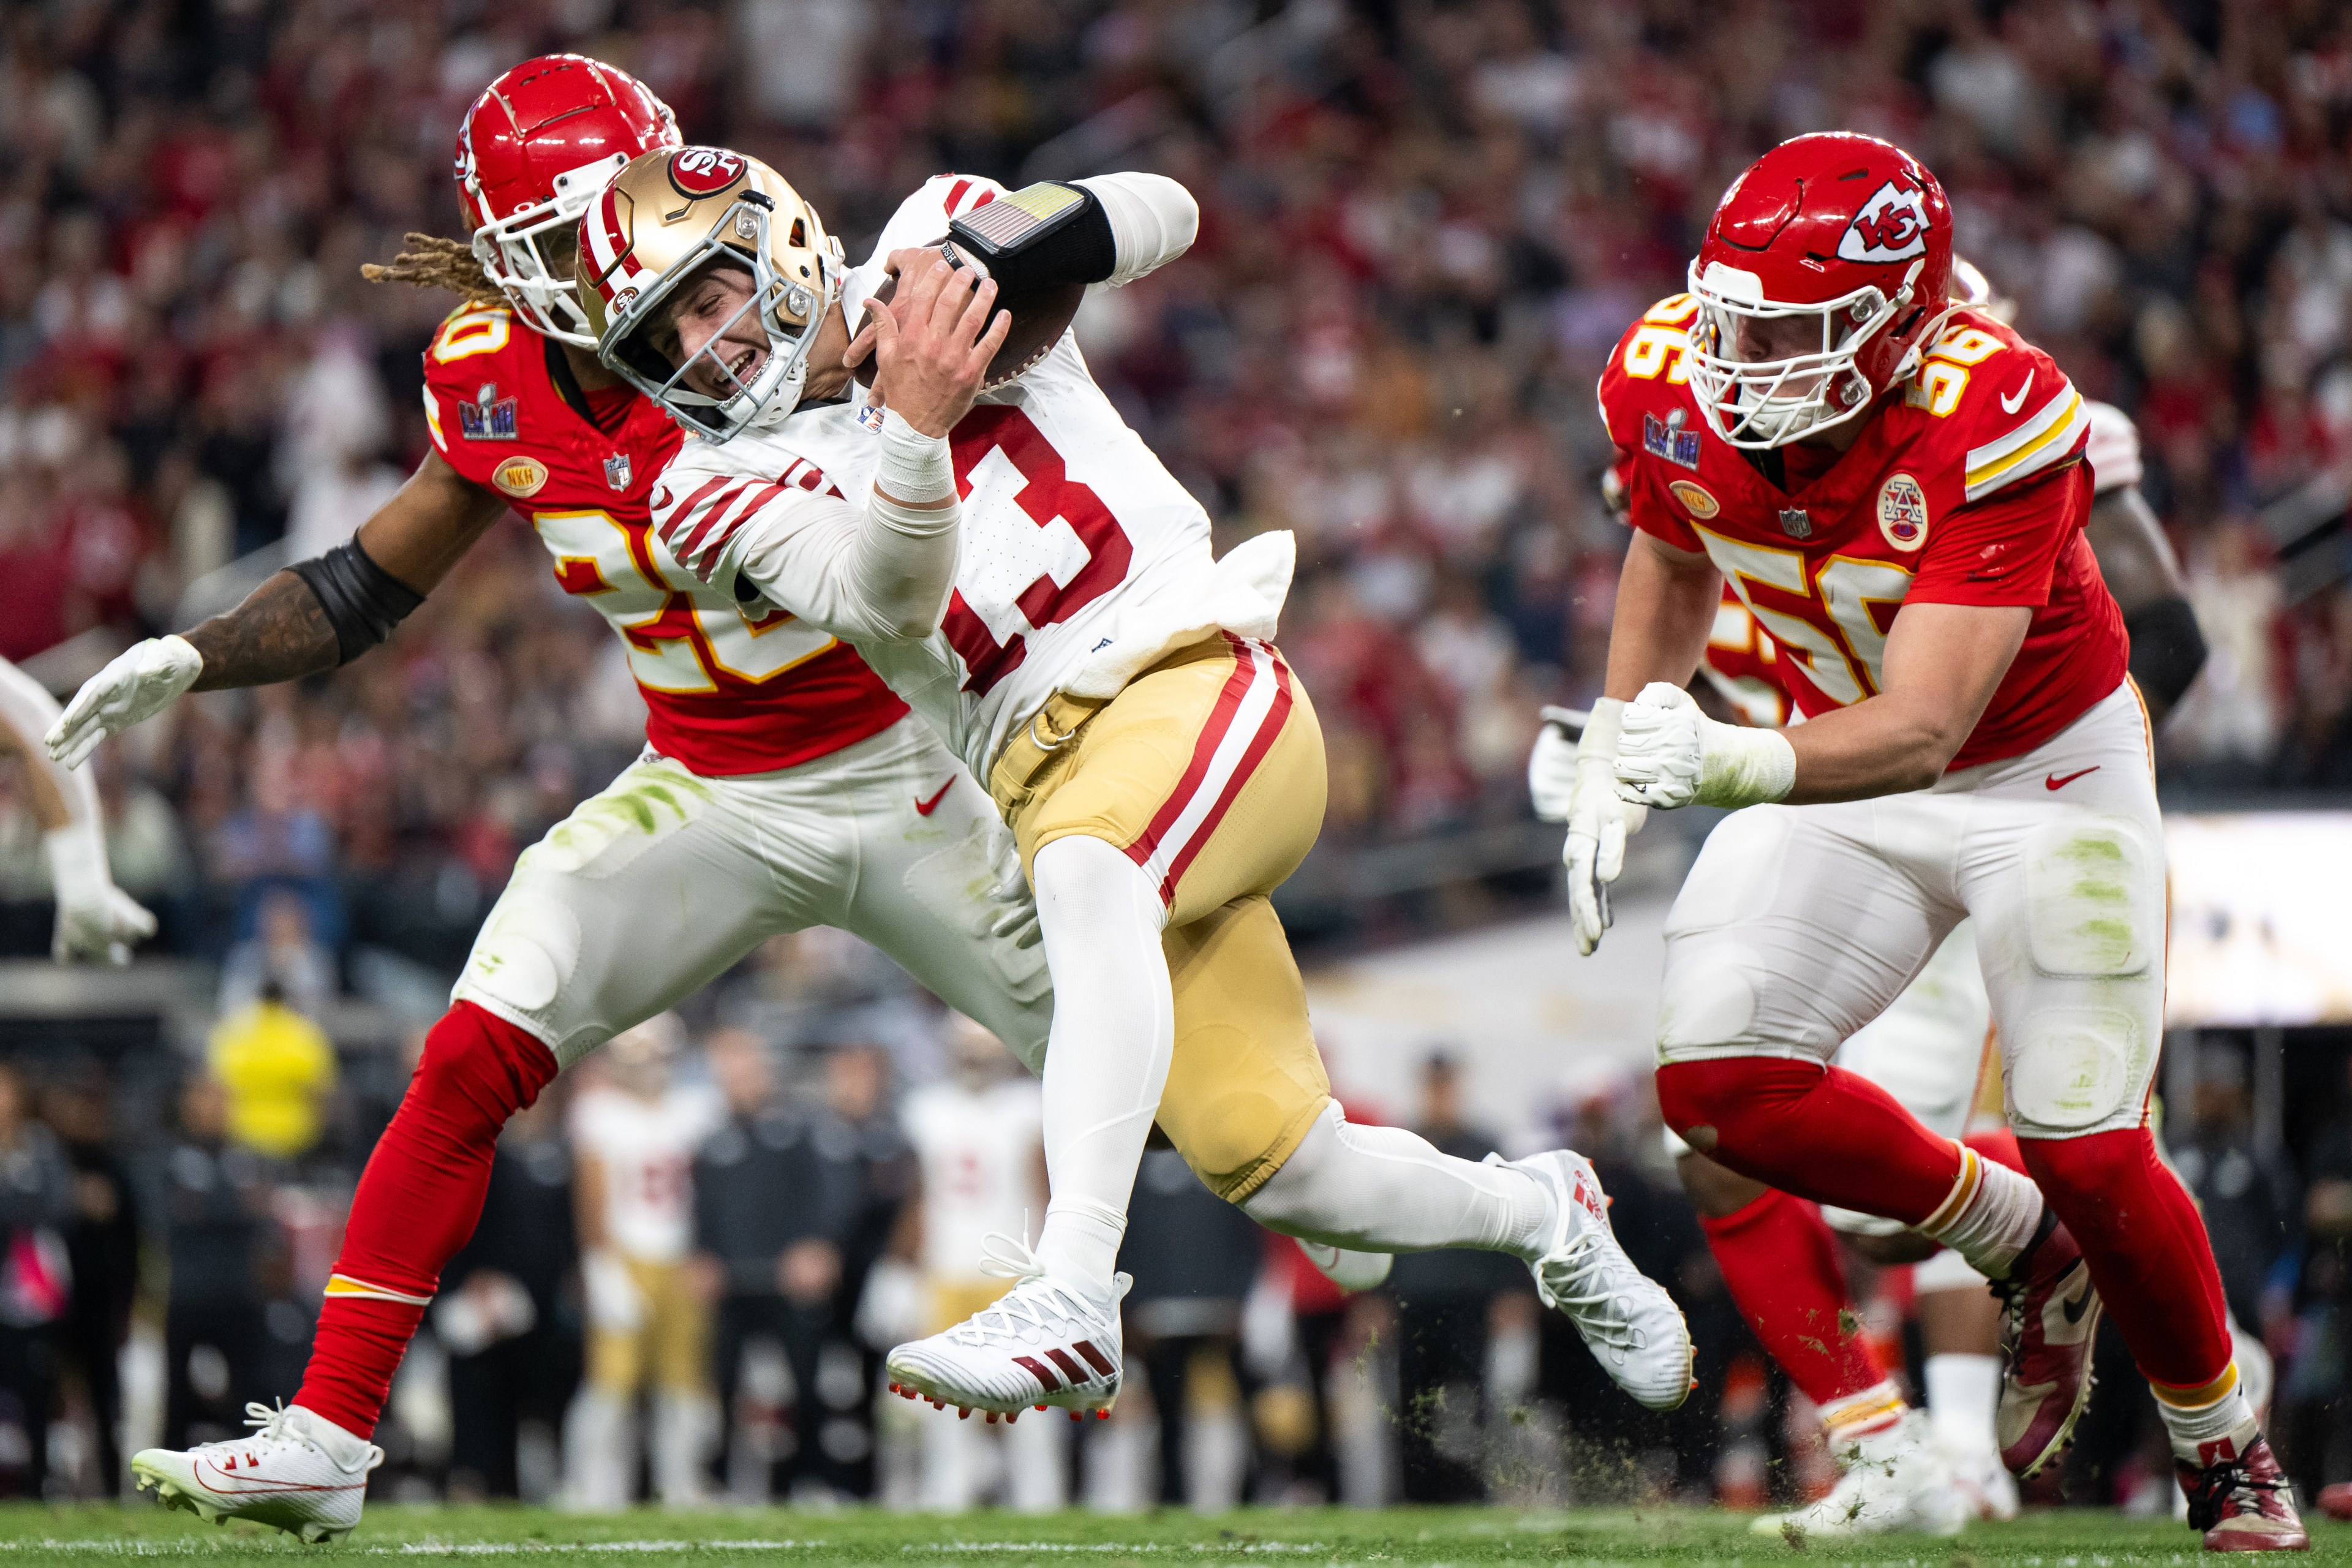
{"x":363,"y":601}
{"x":1038,"y":237}
{"x":2167,"y":650}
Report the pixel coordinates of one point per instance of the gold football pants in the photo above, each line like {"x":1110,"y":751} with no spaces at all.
{"x":1207,"y":770}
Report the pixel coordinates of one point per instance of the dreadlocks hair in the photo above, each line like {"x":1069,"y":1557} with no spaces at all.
{"x":433,"y":262}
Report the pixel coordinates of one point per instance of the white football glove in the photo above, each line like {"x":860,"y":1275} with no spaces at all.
{"x":1599,"y":823}
{"x":1670,"y":755}
{"x":97,"y":921}
{"x":1551,"y":766}
{"x":146,"y":678}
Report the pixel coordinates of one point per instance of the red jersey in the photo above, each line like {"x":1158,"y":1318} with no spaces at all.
{"x":1968,"y":488}
{"x":725,"y":692}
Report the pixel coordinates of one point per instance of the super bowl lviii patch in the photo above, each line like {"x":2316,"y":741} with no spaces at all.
{"x":1667,"y":438}
{"x":521,"y":476}
{"x":488,"y":417}
{"x":1902,"y":513}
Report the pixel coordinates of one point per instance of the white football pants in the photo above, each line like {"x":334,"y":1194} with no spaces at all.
{"x":1801,"y":924}
{"x":667,"y":878}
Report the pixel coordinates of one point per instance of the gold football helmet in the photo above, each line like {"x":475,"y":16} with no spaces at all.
{"x":662,"y":219}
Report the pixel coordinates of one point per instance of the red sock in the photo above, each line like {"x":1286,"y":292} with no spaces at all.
{"x":2147,"y":1246}
{"x":1999,"y":1144}
{"x":1820,"y":1133}
{"x":418,"y":1200}
{"x":1780,"y":1264}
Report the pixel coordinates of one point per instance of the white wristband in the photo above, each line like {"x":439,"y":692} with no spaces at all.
{"x":1742,"y":766}
{"x":1599,"y":743}
{"x":914,"y":466}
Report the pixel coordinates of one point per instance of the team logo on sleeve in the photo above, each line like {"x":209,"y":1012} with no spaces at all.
{"x":488,"y":417}
{"x":521,"y":476}
{"x":1902,"y":513}
{"x":1667,"y":439}
{"x":704,"y":171}
{"x":1890,"y":226}
{"x":1694,"y":499}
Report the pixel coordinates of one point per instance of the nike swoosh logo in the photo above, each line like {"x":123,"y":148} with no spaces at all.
{"x":925,"y":807}
{"x":2055,"y":782}
{"x":2074,"y":1307}
{"x":2011,"y":404}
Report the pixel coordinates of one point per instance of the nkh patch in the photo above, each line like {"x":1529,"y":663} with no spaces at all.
{"x":1667,"y":438}
{"x":1796,"y":523}
{"x":488,"y":417}
{"x":616,"y":471}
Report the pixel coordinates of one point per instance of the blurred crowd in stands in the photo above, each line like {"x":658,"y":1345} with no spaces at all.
{"x":1424,"y":225}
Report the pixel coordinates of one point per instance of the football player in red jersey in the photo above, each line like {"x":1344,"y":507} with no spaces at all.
{"x":783,"y":785}
{"x":1927,"y":1049}
{"x":1893,"y":487}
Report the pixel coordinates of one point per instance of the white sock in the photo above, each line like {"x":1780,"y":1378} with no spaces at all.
{"x":1962,"y":1391}
{"x":347,"y":1449}
{"x":1384,"y":1189}
{"x":1989,"y":1217}
{"x":1107,"y":1058}
{"x":2195,"y":1427}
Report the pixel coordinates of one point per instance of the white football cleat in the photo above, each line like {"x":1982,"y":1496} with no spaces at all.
{"x":1628,"y":1322}
{"x":296,"y":1470}
{"x":1044,"y":1343}
{"x":1986,"y":1485}
{"x":1894,"y":1479}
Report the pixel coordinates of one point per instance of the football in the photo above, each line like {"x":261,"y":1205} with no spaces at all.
{"x":1040,"y":317}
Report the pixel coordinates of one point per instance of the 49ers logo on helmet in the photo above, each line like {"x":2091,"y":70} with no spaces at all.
{"x":702,"y":170}
{"x":1890,"y":226}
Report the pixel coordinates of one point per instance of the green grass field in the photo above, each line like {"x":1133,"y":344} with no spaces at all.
{"x":2073,"y":1539}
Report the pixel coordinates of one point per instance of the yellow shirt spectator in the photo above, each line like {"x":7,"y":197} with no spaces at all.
{"x":277,"y":1067}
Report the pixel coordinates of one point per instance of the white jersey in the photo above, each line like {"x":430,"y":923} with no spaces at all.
{"x":979,"y":1154}
{"x":2113,"y":450}
{"x":1074,"y":536}
{"x":646,"y":1149}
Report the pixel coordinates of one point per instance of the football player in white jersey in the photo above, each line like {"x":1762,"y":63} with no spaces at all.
{"x":97,"y":921}
{"x":782,"y":785}
{"x":1020,"y":568}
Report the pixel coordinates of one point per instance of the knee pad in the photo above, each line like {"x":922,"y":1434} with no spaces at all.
{"x":2074,"y":1071}
{"x":2095,"y":899}
{"x":526,"y":952}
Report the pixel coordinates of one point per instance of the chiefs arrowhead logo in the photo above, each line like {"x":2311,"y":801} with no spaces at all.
{"x":701,"y":171}
{"x":1890,"y":226}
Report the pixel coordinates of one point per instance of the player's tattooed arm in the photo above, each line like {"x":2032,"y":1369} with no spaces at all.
{"x":284,"y":630}
{"x":280,"y":633}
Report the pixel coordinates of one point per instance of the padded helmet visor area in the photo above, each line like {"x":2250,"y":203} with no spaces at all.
{"x":1809,"y":384}
{"x":789,"y":314}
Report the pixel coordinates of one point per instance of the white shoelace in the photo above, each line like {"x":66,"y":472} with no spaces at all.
{"x":271,"y":1426}
{"x":1002,"y":1256}
{"x":1587,"y":1265}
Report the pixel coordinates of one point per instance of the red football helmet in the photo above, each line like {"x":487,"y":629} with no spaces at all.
{"x":1824,"y":275}
{"x":538,"y":145}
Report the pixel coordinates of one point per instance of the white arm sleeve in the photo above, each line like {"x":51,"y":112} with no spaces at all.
{"x":1153,"y":221}
{"x":879,"y":572}
{"x":28,"y":712}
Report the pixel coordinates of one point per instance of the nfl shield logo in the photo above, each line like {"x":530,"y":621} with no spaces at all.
{"x":616,"y":471}
{"x":1796,"y":524}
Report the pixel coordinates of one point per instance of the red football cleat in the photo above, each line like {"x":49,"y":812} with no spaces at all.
{"x":2047,"y":1330}
{"x":2243,"y":1504}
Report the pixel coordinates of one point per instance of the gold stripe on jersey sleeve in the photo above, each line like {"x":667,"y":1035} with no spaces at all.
{"x":2047,"y":435}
